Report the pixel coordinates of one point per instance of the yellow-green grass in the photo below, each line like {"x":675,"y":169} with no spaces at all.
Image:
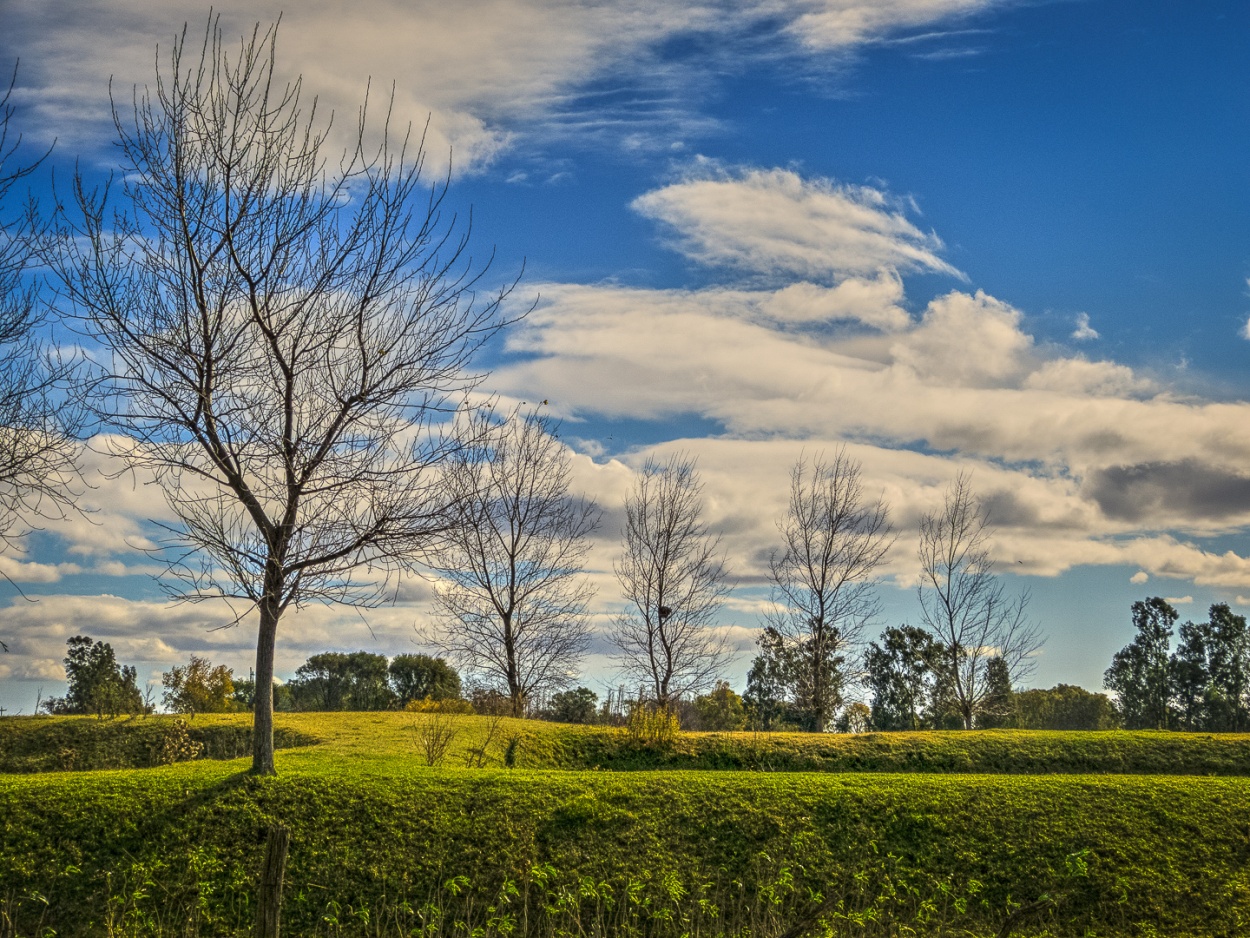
{"x":392,"y":742}
{"x":383,"y":844}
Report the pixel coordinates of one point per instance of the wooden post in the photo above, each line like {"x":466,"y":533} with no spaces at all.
{"x":269,"y":908}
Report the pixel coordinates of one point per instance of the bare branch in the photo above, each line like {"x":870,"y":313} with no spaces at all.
{"x":824,"y":578}
{"x":289,"y":338}
{"x":513,"y":596}
{"x":675,"y":580}
{"x":965,"y":605}
{"x":38,"y":418}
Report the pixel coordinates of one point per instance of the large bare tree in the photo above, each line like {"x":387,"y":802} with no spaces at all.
{"x":512,"y":593}
{"x":285,"y":334}
{"x":38,"y":420}
{"x":966,"y":606}
{"x":674,"y":579}
{"x":824,"y":577}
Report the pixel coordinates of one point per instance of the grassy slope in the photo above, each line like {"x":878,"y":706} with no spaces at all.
{"x":28,"y":744}
{"x":376,"y":836}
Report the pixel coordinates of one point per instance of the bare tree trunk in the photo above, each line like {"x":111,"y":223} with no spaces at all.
{"x":262,"y":700}
{"x":269,"y":906}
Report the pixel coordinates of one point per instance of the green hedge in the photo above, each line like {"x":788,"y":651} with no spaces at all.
{"x":47,"y":744}
{"x":176,"y":850}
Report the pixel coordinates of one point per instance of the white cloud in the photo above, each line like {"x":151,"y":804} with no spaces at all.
{"x":1084,"y":331}
{"x":774,"y":223}
{"x":484,"y":71}
{"x":965,"y":341}
{"x":839,"y":24}
{"x":874,"y":301}
{"x":1141,"y":576}
{"x":1179,"y":600}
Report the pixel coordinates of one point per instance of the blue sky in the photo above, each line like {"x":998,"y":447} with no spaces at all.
{"x":1010,"y":238}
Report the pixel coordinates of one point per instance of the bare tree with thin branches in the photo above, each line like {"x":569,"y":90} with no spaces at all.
{"x":674,"y":579}
{"x":38,"y":421}
{"x":512,"y":592}
{"x":287,"y":336}
{"x":824,"y":577}
{"x":965,"y":605}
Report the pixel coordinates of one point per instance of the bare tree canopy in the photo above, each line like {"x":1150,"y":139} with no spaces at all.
{"x":512,"y":591}
{"x":37,"y":422}
{"x":674,"y":579}
{"x":286,"y":337}
{"x":965,"y":605}
{"x":824,"y":577}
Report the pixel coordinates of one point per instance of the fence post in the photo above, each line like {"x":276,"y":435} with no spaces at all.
{"x":269,"y":908}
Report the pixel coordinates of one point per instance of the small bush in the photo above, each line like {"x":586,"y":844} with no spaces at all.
{"x":446,"y":705}
{"x":435,"y":734}
{"x":177,"y":745}
{"x":651,"y":727}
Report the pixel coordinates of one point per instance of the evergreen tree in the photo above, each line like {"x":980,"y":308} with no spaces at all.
{"x":1139,"y":673}
{"x":574,"y":706}
{"x":997,"y":709}
{"x":416,"y":677}
{"x":1228,"y":662}
{"x":767,"y":682}
{"x":1190,"y":678}
{"x":721,"y":710}
{"x":97,"y":684}
{"x":902,"y":677}
{"x":336,"y":681}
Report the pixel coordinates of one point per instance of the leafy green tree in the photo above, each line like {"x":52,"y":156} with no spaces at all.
{"x":856,"y":718}
{"x":97,"y":684}
{"x":721,"y":710}
{"x":337,"y":681}
{"x":245,"y":694}
{"x":1189,"y":678}
{"x":1139,"y":673}
{"x":198,"y":687}
{"x":1064,"y":707}
{"x":416,"y":677}
{"x":902,"y":676}
{"x":1228,"y":661}
{"x":574,"y":706}
{"x":997,"y":710}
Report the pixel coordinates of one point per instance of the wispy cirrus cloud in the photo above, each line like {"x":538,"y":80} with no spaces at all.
{"x":488,"y":73}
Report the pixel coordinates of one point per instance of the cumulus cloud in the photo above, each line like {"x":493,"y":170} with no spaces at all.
{"x":1141,"y":576}
{"x":1084,"y":331}
{"x":966,"y":341}
{"x":1179,"y":600}
{"x":1082,"y":462}
{"x":777,"y":224}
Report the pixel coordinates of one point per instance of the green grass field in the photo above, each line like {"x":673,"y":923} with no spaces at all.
{"x":936,"y":834}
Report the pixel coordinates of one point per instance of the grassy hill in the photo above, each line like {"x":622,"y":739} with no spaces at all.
{"x":384,"y":845}
{"x":393,"y":742}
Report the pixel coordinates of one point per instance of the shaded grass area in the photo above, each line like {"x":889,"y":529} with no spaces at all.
{"x":388,"y":852}
{"x":50,"y":744}
{"x":32,"y":744}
